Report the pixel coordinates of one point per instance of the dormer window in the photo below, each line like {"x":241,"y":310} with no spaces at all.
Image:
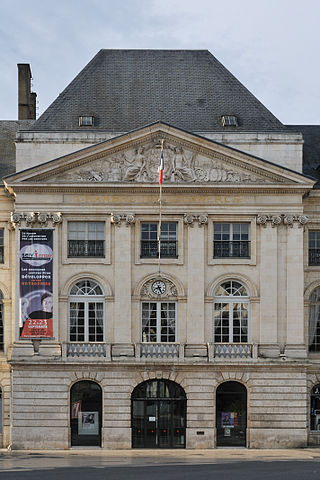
{"x":86,"y":121}
{"x":229,"y":121}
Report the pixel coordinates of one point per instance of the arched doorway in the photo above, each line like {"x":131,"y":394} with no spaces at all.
{"x":85,"y":414}
{"x":231,"y":414}
{"x":158,"y":415}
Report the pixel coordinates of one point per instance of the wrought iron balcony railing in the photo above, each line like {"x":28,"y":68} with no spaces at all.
{"x":149,"y":249}
{"x":85,"y":248}
{"x":233,"y":249}
{"x":314,"y":256}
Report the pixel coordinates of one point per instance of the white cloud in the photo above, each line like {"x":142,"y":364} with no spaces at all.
{"x":271,"y":46}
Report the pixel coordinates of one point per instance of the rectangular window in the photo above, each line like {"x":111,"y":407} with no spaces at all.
{"x":158,"y":322}
{"x":1,"y":245}
{"x":231,"y":240}
{"x":86,"y":121}
{"x":86,"y":239}
{"x":314,"y":247}
{"x":230,"y":322}
{"x":168,"y":240}
{"x":86,"y":321}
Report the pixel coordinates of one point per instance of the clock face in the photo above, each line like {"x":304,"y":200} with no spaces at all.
{"x":158,"y":287}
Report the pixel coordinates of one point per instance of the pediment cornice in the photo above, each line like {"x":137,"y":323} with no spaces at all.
{"x":132,"y":160}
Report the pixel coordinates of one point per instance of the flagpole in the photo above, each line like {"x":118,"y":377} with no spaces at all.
{"x":160,"y":207}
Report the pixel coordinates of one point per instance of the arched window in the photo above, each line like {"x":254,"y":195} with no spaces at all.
{"x":85,"y":413}
{"x":231,"y":312}
{"x":1,"y":323}
{"x":158,"y":415}
{"x":315,"y":408}
{"x":159,"y":311}
{"x":86,"y":312}
{"x":314,"y":321}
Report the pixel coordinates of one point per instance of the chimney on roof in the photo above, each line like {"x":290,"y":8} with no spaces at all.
{"x":26,"y":98}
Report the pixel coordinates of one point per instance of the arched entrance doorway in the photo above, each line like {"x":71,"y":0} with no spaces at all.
{"x":158,"y":415}
{"x":231,"y":414}
{"x":85,"y":414}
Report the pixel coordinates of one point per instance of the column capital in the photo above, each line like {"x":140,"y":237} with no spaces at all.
{"x":35,"y":219}
{"x":201,"y":218}
{"x":119,"y":219}
{"x":289,"y":220}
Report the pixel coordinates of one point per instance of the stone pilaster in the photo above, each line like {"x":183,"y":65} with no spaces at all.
{"x":196,"y":260}
{"x":295,"y":284}
{"x":122,"y":279}
{"x":269,"y":284}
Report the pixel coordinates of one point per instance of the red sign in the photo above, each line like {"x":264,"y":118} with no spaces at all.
{"x":37,"y":327}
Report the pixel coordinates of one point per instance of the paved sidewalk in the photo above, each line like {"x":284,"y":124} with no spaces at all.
{"x":210,"y":455}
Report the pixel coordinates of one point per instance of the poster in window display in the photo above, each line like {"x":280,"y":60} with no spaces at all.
{"x":36,"y":290}
{"x":229,"y":419}
{"x":88,"y":423}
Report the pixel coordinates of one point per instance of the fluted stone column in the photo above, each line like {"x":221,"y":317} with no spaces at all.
{"x":269,"y":288}
{"x":195,"y":302}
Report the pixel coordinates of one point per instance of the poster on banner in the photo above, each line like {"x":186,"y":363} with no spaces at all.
{"x":36,"y":288}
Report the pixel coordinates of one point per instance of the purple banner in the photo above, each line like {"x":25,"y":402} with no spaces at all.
{"x":36,"y":293}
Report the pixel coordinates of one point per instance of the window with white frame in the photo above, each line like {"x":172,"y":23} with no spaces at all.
{"x":231,"y":240}
{"x":86,"y":239}
{"x":168,"y":240}
{"x":158,"y":322}
{"x":86,"y":312}
{"x":231,"y":313}
{"x":314,"y":321}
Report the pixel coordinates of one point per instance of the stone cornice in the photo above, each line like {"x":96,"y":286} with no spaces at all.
{"x":146,"y":188}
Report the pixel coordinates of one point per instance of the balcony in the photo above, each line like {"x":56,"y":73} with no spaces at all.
{"x":87,"y":350}
{"x":156,"y":351}
{"x":232,"y":249}
{"x":149,"y":249}
{"x":85,"y":248}
{"x":231,"y":351}
{"x":314,"y":256}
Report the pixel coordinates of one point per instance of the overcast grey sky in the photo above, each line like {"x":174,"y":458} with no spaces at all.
{"x":271,"y":46}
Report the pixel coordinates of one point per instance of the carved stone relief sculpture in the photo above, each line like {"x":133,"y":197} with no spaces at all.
{"x":140,"y":165}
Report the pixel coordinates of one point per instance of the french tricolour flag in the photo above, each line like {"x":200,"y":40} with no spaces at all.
{"x":160,"y":168}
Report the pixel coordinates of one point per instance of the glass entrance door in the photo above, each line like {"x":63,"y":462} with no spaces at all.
{"x":158,"y":422}
{"x":231,"y":419}
{"x":85,"y":414}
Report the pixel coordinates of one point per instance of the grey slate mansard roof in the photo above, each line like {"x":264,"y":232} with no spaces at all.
{"x":311,"y":149}
{"x":126,"y":89}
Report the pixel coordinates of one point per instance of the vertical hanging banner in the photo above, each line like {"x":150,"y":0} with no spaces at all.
{"x":36,"y":292}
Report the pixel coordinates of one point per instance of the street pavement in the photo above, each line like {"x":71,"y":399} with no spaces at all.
{"x":222,"y":464}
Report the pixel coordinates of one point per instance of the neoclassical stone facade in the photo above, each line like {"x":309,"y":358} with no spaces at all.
{"x":214,"y":342}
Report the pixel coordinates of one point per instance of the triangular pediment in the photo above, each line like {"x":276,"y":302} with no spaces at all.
{"x":133,"y":158}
